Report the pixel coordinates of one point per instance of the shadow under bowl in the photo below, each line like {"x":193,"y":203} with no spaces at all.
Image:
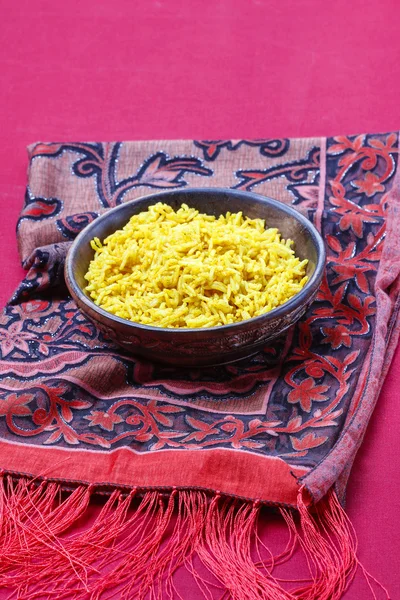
{"x":204,"y":346}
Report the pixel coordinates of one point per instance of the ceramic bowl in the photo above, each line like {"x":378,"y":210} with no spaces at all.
{"x":206,"y":346}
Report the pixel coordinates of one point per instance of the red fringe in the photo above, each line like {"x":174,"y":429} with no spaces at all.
{"x":135,"y":546}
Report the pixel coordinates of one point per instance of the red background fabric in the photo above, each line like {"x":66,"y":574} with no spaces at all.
{"x":86,"y":70}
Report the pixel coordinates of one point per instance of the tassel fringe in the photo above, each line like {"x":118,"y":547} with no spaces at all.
{"x":136,"y":547}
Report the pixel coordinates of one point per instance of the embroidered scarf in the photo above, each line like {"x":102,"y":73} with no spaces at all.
{"x":188,"y":457}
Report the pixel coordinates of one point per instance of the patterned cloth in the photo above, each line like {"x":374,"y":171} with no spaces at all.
{"x":74,"y":408}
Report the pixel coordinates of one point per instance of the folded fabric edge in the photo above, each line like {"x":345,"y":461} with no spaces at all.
{"x":334,"y":469}
{"x":270,"y":480}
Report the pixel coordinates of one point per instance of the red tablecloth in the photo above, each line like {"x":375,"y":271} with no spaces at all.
{"x":226,"y":69}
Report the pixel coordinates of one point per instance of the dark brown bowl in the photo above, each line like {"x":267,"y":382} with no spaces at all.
{"x":206,"y":346}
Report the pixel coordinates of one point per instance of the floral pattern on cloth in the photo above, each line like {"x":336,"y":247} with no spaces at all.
{"x":296,"y":400}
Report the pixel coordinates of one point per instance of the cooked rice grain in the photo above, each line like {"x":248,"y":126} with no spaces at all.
{"x":187,"y":269}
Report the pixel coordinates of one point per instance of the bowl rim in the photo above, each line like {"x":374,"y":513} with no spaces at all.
{"x":294,"y":302}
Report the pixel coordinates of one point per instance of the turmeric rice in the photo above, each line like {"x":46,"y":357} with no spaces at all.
{"x":182,"y":268}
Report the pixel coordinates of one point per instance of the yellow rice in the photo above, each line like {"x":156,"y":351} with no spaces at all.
{"x":186,"y":269}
